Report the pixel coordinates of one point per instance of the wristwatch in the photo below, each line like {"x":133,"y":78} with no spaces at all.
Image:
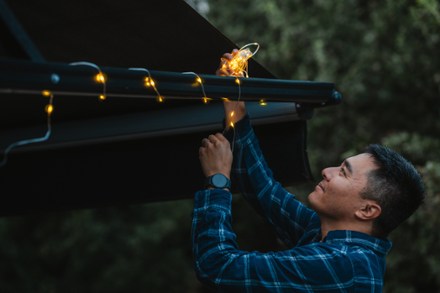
{"x":218,"y":180}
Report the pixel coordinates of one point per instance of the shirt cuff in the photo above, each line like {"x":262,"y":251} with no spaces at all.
{"x":212,"y":197}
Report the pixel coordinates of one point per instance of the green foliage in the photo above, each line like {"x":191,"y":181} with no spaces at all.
{"x":414,"y":265}
{"x":126,"y":249}
{"x":383,"y":57}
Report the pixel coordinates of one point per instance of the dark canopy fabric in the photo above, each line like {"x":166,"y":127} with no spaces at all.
{"x":153,"y":165}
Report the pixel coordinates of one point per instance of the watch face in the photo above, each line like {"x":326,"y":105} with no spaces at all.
{"x":219,"y":180}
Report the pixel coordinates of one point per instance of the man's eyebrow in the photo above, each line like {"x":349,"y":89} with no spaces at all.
{"x":347,"y":165}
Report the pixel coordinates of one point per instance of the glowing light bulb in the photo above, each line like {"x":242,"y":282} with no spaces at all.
{"x":231,"y":124}
{"x":206,"y":100}
{"x":263,"y":102}
{"x":239,"y":63}
{"x":160,"y":99}
{"x":232,"y":114}
{"x":100,"y":78}
{"x":102,"y":97}
{"x":49,"y":109}
{"x":237,"y":81}
{"x":199,"y":80}
{"x":46,"y":93}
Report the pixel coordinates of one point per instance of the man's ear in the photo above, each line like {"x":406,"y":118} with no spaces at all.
{"x":370,"y":210}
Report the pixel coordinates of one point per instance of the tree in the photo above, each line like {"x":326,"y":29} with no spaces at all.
{"x":383,"y":57}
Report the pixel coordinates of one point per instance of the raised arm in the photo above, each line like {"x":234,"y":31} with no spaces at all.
{"x":253,"y":177}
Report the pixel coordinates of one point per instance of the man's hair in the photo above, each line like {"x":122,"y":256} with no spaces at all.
{"x":395,"y":185}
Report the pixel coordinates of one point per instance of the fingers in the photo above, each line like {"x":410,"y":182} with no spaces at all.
{"x":229,"y":56}
{"x":214,"y":140}
{"x":224,"y":69}
{"x":215,"y":155}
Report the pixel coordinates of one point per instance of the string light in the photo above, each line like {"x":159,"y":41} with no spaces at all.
{"x":199,"y":82}
{"x":99,"y":77}
{"x":238,"y":65}
{"x":48,"y":109}
{"x":150,"y":83}
{"x":206,"y":100}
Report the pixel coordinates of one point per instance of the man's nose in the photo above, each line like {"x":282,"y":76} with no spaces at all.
{"x":328,"y":173}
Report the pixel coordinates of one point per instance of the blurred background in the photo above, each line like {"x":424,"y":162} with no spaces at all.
{"x":384,"y":58}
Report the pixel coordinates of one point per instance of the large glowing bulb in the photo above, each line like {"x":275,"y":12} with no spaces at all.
{"x":239,"y":62}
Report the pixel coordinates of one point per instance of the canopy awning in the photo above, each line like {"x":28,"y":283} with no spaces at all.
{"x":129,"y":148}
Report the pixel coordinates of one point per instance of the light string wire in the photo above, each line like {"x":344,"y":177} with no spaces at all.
{"x":150,"y":82}
{"x":199,"y":82}
{"x":238,"y":64}
{"x":49,"y":109}
{"x":99,"y":77}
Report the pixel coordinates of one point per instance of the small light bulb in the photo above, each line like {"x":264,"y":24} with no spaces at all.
{"x":225,"y":99}
{"x":160,"y":99}
{"x":102,"y":97}
{"x":100,"y":77}
{"x":237,"y":81}
{"x":206,"y":100}
{"x":231,"y":124}
{"x":147,"y":82}
{"x":49,"y":109}
{"x":263,"y":102}
{"x":46,"y":93}
{"x":199,"y":80}
{"x":232,"y":113}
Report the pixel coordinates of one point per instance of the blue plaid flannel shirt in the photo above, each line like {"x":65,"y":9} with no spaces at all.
{"x":345,"y":261}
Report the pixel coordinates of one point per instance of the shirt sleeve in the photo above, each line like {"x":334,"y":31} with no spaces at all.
{"x":219,"y":262}
{"x":251,"y":175}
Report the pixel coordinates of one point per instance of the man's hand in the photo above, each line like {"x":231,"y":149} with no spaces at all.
{"x":234,"y":111}
{"x":215,"y":155}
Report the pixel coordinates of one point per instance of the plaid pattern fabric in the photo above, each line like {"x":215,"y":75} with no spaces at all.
{"x":345,"y":261}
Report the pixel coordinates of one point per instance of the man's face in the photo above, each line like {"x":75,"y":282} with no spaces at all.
{"x":337,"y":196}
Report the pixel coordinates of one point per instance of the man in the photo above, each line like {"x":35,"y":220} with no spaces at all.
{"x":337,"y":245}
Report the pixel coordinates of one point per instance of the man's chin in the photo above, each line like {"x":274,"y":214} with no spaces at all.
{"x":311,"y":198}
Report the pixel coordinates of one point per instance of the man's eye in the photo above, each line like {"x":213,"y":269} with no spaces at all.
{"x":342,"y":171}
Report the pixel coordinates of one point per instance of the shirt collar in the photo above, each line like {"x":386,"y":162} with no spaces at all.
{"x":379,"y":245}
